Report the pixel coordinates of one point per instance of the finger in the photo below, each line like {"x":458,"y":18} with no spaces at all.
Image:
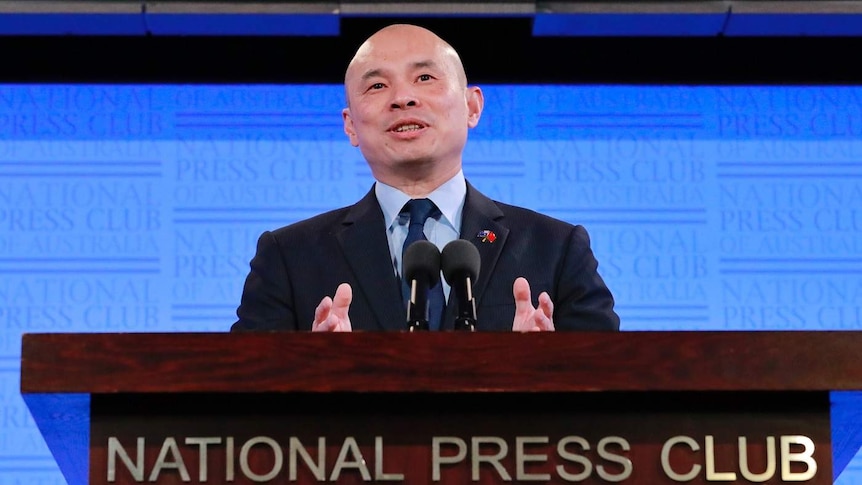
{"x":545,"y":313}
{"x":550,"y":313}
{"x":322,"y":310}
{"x":523,"y":305}
{"x":321,"y":315}
{"x":342,"y":300}
{"x":542,"y":323}
{"x":546,"y":305}
{"x":341,"y":307}
{"x":521,"y":292}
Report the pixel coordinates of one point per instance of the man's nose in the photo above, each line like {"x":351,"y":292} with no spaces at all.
{"x":402,"y":103}
{"x":403,"y":98}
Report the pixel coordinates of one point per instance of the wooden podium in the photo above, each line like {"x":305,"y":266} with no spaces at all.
{"x":642,"y":408}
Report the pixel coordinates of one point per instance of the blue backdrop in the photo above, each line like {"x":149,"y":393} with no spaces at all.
{"x":137,"y":208}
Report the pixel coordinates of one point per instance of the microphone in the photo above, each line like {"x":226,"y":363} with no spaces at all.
{"x":460,"y":261}
{"x":421,"y":267}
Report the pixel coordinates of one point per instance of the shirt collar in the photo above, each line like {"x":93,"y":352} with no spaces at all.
{"x":449,"y":198}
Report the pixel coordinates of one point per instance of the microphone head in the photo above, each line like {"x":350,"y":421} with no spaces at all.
{"x":460,"y":259}
{"x":422,"y":262}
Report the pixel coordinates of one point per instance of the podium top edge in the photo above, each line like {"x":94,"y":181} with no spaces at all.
{"x":441,"y":362}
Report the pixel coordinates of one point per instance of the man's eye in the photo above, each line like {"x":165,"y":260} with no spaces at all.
{"x":376,"y":86}
{"x":425,"y":77}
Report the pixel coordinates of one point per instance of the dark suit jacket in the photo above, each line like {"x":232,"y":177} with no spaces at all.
{"x":296,"y":266}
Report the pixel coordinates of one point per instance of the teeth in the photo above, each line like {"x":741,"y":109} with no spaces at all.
{"x":403,"y":128}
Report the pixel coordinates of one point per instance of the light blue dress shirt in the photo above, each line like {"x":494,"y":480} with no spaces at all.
{"x":449,"y":198}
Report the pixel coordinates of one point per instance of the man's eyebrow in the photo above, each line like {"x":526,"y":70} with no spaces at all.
{"x":422,"y":64}
{"x":371,"y":73}
{"x":379,"y":72}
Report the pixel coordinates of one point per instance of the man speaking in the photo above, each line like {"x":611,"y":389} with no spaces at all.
{"x":409,"y":109}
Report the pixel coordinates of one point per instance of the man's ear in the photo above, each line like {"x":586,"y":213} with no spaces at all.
{"x":348,"y":127}
{"x":475,"y":104}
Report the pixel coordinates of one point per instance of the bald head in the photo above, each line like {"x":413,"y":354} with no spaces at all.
{"x":399,"y":41}
{"x":409,"y":107}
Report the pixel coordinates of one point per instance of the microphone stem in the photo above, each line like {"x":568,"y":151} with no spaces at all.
{"x":466,"y":319}
{"x":417,"y":307}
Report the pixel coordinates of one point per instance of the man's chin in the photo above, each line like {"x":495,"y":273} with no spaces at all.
{"x":414,"y":161}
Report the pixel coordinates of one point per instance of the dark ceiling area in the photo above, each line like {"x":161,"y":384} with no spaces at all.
{"x":494,"y":50}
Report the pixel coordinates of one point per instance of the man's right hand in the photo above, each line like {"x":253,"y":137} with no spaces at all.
{"x":331,"y":314}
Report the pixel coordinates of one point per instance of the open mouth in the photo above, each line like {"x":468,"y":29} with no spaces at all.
{"x":407,"y":127}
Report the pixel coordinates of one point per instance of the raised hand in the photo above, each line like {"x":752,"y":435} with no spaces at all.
{"x":331,"y":314}
{"x":527,"y":317}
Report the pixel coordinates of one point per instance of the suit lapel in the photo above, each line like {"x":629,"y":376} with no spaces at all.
{"x":480,"y":214}
{"x":362,"y":236}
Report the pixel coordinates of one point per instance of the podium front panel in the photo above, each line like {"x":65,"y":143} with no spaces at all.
{"x":457,"y":438}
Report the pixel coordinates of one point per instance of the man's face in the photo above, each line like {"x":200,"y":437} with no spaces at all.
{"x":408,"y":104}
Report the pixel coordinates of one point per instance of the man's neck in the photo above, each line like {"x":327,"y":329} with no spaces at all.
{"x":419,"y":186}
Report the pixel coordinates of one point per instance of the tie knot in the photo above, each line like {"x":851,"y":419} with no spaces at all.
{"x":420,"y":210}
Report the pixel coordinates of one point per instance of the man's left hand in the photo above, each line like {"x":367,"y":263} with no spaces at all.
{"x":527,"y":317}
